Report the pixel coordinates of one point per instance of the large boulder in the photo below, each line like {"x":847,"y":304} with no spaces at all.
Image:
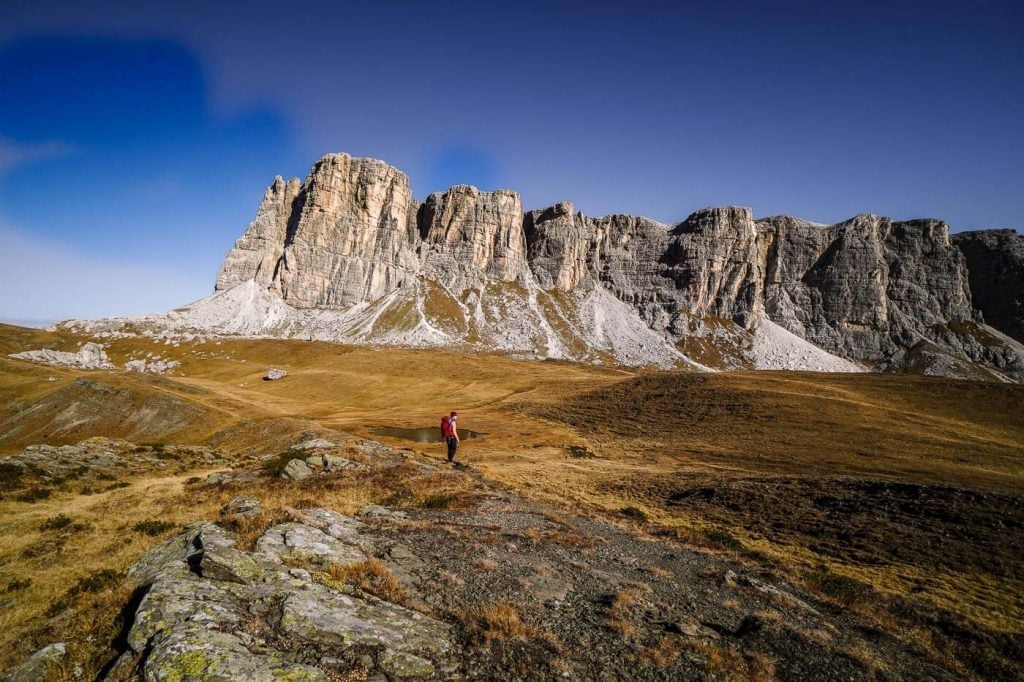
{"x":296,"y":470}
{"x":212,"y":611}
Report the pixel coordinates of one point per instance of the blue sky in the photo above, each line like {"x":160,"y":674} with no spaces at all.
{"x":135,"y":142}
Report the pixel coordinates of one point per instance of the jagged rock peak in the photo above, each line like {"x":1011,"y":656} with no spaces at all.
{"x":480,"y":230}
{"x":257,"y":252}
{"x":868,"y":289}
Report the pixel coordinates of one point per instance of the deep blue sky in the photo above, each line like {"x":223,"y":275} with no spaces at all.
{"x":136,"y":138}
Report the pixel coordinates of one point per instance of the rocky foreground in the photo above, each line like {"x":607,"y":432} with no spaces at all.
{"x":473,"y":584}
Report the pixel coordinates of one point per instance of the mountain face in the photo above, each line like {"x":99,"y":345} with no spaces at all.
{"x":995,"y":267}
{"x":349,"y":255}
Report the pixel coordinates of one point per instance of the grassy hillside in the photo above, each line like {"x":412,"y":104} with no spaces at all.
{"x":899,"y":497}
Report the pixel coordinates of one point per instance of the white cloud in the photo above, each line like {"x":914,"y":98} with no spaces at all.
{"x":14,"y":154}
{"x":43,"y":279}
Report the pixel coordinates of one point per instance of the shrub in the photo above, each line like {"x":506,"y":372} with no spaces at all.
{"x":18,"y":585}
{"x":96,"y":581}
{"x":276,"y":464}
{"x":438,"y":501}
{"x":153,"y":528}
{"x":634,"y":513}
{"x":43,"y":548}
{"x":56,"y":522}
{"x":723,"y":539}
{"x":841,"y":589}
{"x":10,"y":475}
{"x":34,"y":494}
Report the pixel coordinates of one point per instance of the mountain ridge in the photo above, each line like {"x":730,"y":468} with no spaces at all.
{"x":353,"y":257}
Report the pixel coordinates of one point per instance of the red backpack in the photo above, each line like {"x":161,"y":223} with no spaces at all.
{"x":446,"y":426}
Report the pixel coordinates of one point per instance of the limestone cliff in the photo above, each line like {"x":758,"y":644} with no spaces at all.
{"x":481,"y":231}
{"x":368,"y":263}
{"x":995,"y":265}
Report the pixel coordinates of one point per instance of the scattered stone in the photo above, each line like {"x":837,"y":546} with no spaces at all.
{"x":45,"y":664}
{"x":156,"y":366}
{"x":313,"y":443}
{"x":106,"y":459}
{"x":375,"y":511}
{"x":296,"y":470}
{"x":241,"y":506}
{"x":275,"y":373}
{"x":333,"y":463}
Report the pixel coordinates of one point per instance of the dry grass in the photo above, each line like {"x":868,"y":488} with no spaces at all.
{"x":75,"y":592}
{"x":621,"y":611}
{"x":370,"y":576}
{"x":866,"y":657}
{"x":662,"y":654}
{"x":248,"y":529}
{"x":499,"y":621}
{"x":725,"y":662}
{"x":758,"y":425}
{"x":450,"y":578}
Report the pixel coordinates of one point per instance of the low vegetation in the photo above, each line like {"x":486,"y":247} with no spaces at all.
{"x":370,"y":576}
{"x":895,"y":498}
{"x":153,"y":528}
{"x":499,"y":621}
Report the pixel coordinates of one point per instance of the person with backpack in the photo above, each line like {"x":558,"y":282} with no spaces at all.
{"x":450,"y":433}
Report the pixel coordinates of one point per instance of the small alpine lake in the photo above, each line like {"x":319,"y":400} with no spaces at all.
{"x":424,"y":435}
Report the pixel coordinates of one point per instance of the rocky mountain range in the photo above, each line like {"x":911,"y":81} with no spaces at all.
{"x":349,"y":255}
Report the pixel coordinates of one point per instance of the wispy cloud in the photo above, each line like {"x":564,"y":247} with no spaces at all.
{"x":14,"y":154}
{"x":45,"y":279}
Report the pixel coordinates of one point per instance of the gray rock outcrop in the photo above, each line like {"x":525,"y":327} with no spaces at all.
{"x":212,"y":610}
{"x":995,"y":267}
{"x":257,"y":253}
{"x":153,"y":366}
{"x":89,"y":356}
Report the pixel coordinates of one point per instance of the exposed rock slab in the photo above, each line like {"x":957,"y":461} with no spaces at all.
{"x":213,"y":611}
{"x":89,"y":356}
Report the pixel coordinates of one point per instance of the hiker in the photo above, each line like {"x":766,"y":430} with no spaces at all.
{"x":450,"y":433}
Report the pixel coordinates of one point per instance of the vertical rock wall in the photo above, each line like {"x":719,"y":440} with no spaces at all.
{"x":995,"y":266}
{"x":869,"y":288}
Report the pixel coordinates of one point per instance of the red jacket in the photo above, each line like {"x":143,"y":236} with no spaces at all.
{"x":446,"y":427}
